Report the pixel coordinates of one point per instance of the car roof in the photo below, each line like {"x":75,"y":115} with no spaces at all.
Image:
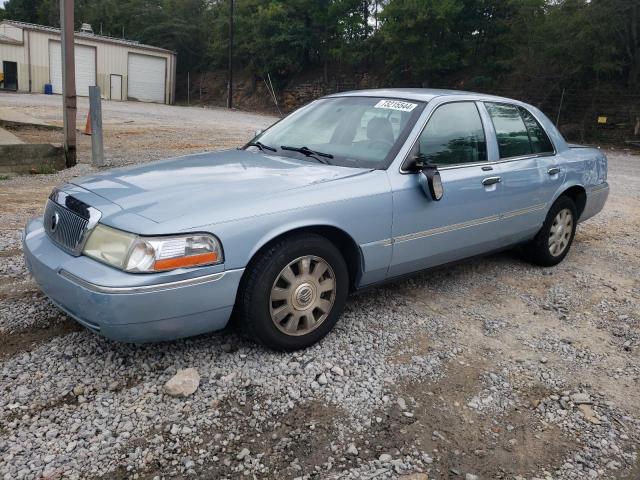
{"x":418,"y":94}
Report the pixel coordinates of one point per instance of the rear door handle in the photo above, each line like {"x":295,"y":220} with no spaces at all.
{"x":491,"y":180}
{"x":553,"y":170}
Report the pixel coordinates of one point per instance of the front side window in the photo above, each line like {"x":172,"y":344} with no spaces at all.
{"x":540,"y":142}
{"x":511,"y":132}
{"x":363,"y":132}
{"x":453,"y":135}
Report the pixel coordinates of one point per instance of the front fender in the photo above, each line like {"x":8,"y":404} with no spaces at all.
{"x":365,"y":221}
{"x":363,"y":212}
{"x":309,"y":223}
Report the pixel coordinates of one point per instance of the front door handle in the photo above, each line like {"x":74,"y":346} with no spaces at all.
{"x":491,"y":181}
{"x":553,"y":170}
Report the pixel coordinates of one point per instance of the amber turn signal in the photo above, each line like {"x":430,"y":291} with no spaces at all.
{"x":190,"y":261}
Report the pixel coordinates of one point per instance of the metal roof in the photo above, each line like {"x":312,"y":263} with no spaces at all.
{"x":84,"y":36}
{"x":12,"y":41}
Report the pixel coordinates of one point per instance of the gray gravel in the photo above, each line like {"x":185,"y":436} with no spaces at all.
{"x":121,"y":396}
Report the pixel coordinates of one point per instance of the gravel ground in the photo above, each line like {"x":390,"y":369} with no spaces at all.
{"x":139,"y":132}
{"x":490,"y":369}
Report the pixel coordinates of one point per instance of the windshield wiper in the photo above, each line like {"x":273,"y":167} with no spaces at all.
{"x":261,"y":146}
{"x":309,"y":153}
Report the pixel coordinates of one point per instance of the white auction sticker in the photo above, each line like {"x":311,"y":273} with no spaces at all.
{"x":396,"y":105}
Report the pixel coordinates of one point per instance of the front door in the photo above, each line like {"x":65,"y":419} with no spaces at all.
{"x":116,"y":87}
{"x":10,"y":70}
{"x":463,"y":223}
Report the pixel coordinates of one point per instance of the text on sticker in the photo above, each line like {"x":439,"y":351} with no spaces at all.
{"x":396,"y":105}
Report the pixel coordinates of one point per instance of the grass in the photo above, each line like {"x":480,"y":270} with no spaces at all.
{"x":4,"y":177}
{"x":43,"y":169}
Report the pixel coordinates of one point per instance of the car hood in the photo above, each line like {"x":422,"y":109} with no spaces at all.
{"x":169,"y":189}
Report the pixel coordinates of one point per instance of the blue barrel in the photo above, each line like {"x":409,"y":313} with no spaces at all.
{"x":48,"y":89}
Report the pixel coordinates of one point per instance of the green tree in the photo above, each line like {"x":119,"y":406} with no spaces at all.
{"x":23,"y":10}
{"x":569,"y":44}
{"x":533,"y":46}
{"x":617,"y":27}
{"x":421,"y":40}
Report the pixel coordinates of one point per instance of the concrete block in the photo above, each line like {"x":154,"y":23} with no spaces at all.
{"x":24,"y":158}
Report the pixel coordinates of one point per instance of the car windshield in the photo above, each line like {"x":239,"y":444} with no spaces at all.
{"x":364,"y":132}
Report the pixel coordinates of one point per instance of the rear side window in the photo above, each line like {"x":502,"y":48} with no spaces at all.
{"x":512,"y":134}
{"x":540,"y":142}
{"x":454,"y":135}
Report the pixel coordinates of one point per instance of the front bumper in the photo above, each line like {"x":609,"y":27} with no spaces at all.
{"x":131,"y":307}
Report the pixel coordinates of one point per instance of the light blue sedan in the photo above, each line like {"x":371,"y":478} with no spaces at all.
{"x":349,"y":191}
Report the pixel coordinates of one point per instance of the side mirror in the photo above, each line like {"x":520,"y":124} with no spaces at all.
{"x":430,"y":182}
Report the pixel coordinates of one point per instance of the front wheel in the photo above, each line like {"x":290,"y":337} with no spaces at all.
{"x":294,"y":292}
{"x":552,"y":243}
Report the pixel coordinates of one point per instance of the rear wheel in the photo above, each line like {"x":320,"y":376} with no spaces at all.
{"x":552,"y":243}
{"x":294,"y":292}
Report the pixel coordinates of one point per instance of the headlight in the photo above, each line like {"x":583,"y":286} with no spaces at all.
{"x":152,"y":254}
{"x":109,"y":245}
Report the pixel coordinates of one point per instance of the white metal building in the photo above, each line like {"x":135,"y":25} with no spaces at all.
{"x":30,"y":57}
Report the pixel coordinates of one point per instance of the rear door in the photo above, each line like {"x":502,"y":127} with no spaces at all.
{"x":463,"y":223}
{"x":530,"y":174}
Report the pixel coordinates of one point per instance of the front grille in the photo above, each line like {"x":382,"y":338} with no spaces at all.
{"x":66,"y":228}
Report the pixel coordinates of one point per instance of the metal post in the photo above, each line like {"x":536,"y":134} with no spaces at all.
{"x":230,"y":84}
{"x":273,"y":94}
{"x":95,"y":114}
{"x":29,"y":60}
{"x":188,"y":89}
{"x":69,"y":106}
{"x":560,"y":108}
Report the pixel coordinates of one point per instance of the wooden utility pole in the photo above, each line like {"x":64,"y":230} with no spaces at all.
{"x":230,"y":84}
{"x":69,"y":106}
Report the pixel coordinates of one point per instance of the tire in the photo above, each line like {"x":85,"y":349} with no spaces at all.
{"x":549,"y":247}
{"x":286,"y":299}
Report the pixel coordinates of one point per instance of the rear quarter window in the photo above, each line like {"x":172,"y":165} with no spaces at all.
{"x":539,"y":139}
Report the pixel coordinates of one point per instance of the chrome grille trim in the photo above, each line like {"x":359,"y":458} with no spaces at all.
{"x":64,"y":227}
{"x":68,"y":221}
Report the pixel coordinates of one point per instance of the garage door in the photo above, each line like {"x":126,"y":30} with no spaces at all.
{"x":85,"y":68}
{"x":146,"y":78}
